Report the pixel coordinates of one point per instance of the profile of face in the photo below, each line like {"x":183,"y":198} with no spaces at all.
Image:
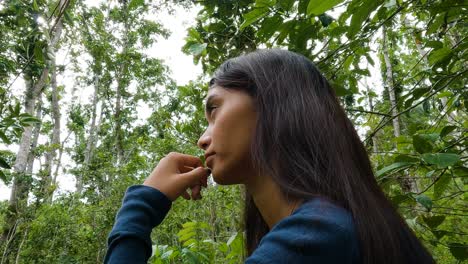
{"x":231,"y":120}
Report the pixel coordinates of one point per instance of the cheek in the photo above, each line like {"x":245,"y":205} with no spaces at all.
{"x":232,"y":140}
{"x":233,"y":136}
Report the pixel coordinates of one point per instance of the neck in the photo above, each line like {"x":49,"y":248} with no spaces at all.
{"x":269,"y":200}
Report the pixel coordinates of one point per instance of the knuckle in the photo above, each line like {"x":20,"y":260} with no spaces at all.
{"x":172,"y":154}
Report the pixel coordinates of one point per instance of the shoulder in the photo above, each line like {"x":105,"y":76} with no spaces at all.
{"x":317,"y":231}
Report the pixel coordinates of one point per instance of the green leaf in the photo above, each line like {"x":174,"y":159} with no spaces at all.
{"x":418,"y":92}
{"x":398,"y":199}
{"x":441,"y":185}
{"x":3,"y":176}
{"x":394,"y":166}
{"x":4,"y":164}
{"x":269,"y":26}
{"x":286,"y":4}
{"x":167,"y":254}
{"x":442,"y":160}
{"x":340,"y":90}
{"x":369,"y":59}
{"x":35,"y":6}
{"x":459,"y":251}
{"x":318,"y":7}
{"x":285,"y":29}
{"x":253,"y":16}
{"x":390,"y":4}
{"x":39,"y":54}
{"x":197,"y":49}
{"x":425,"y":201}
{"x":444,"y":94}
{"x":447,"y":130}
{"x":186,"y":236}
{"x":434,"y":44}
{"x":348,"y":62}
{"x":17,"y":109}
{"x":435,"y":25}
{"x":439,"y":55}
{"x":134,"y":4}
{"x":191,"y":256}
{"x":434,"y":221}
{"x":361,"y":14}
{"x":439,"y":233}
{"x":5,"y":139}
{"x":231,"y":239}
{"x":422,"y":143}
{"x":406,"y":158}
{"x":260,"y":10}
{"x":460,"y":171}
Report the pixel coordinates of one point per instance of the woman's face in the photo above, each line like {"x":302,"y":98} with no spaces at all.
{"x":231,"y":120}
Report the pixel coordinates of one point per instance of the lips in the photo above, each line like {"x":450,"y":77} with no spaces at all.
{"x":208,"y":154}
{"x":209,"y":160}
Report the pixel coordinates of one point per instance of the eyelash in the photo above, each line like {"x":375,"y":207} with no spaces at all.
{"x":210,"y":108}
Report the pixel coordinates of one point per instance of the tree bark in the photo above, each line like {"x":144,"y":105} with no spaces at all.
{"x":121,"y":84}
{"x":91,"y":138}
{"x":390,"y":84}
{"x":375,"y":148}
{"x":19,"y":190}
{"x":35,"y":137}
{"x":47,"y":183}
{"x":59,"y":159}
{"x":21,"y":186}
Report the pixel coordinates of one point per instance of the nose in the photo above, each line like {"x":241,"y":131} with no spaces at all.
{"x":204,"y":141}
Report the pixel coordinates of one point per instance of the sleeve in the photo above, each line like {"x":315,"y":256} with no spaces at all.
{"x":306,"y":238}
{"x":143,"y":208}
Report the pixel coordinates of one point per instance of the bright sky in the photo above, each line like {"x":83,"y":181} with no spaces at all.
{"x":182,"y":68}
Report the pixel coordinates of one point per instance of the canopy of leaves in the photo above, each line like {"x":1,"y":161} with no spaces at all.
{"x":109,"y":143}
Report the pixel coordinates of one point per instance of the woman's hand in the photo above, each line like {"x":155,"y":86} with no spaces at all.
{"x":175,"y":173}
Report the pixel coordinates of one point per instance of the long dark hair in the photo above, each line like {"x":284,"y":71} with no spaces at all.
{"x":306,"y":143}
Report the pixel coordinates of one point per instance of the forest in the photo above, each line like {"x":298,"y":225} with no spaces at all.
{"x":398,"y":66}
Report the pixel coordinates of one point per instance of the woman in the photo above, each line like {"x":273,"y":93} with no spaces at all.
{"x":276,"y":126}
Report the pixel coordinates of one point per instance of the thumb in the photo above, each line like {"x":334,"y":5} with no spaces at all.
{"x":194,"y":176}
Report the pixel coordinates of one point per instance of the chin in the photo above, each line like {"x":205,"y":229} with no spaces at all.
{"x":223,"y":178}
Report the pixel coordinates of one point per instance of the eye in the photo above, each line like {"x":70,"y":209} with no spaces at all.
{"x":210,"y":109}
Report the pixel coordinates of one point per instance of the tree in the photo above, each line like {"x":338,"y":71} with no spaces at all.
{"x":108,"y":128}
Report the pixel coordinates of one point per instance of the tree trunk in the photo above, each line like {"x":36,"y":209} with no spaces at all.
{"x":390,"y":84}
{"x":17,"y":260}
{"x":35,"y":137}
{"x":59,"y":159}
{"x":375,"y":148}
{"x":21,"y":185}
{"x":47,"y":187}
{"x":91,"y":138}
{"x":121,"y":85}
{"x":19,"y":190}
{"x":118,"y":125}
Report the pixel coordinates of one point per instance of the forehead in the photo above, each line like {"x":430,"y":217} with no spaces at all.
{"x":215,"y":91}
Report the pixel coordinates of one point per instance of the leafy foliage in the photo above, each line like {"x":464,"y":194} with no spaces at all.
{"x":109,"y":143}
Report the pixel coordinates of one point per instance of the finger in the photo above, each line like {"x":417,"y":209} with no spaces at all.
{"x":196,"y":192}
{"x":194,"y":176}
{"x":186,"y":195}
{"x":204,"y":181}
{"x":185,"y":160}
{"x":185,"y":169}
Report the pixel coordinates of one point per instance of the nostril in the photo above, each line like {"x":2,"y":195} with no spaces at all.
{"x":204,"y":141}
